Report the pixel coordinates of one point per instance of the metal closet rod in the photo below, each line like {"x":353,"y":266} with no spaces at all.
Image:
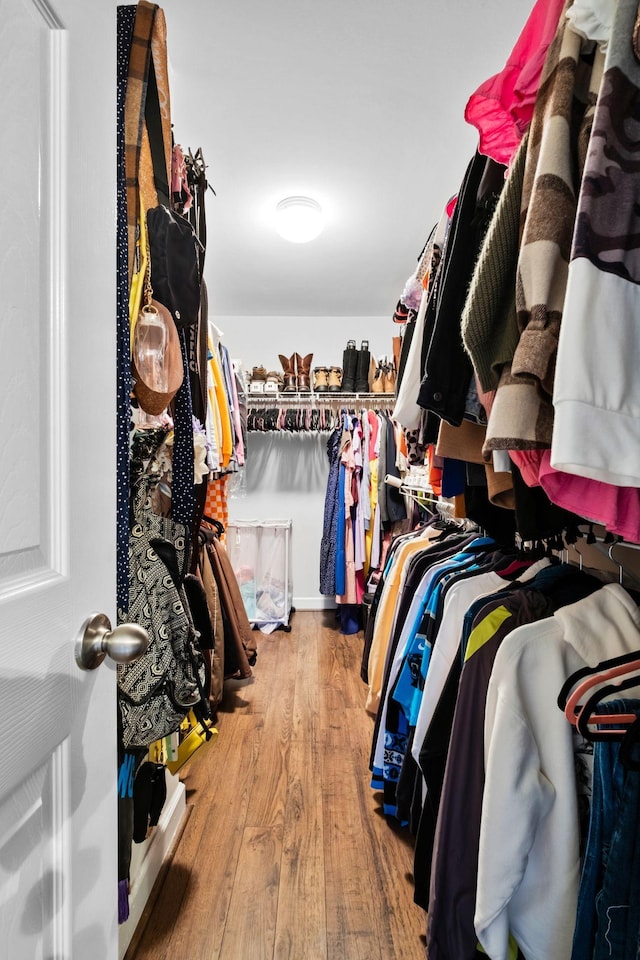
{"x":269,"y":399}
{"x":613,"y":540}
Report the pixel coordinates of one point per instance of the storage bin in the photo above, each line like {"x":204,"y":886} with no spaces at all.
{"x":260,"y":552}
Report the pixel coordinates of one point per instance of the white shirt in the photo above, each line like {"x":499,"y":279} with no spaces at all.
{"x":529,"y":853}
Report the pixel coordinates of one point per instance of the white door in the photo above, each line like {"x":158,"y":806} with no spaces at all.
{"x":58,"y":846}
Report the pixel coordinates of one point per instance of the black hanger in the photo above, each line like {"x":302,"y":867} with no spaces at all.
{"x":583,"y":672}
{"x":214,"y":523}
{"x":582,"y":723}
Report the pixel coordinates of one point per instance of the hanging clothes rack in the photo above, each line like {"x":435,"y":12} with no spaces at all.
{"x":368,"y":400}
{"x":301,"y":413}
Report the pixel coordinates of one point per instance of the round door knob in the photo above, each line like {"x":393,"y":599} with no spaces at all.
{"x":97,"y":640}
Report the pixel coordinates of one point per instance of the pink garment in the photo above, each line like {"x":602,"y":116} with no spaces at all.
{"x":358,"y":533}
{"x":179,"y":179}
{"x":486,"y":397}
{"x":351,"y":594}
{"x":374,"y":423}
{"x":617,"y":508}
{"x":528,"y":463}
{"x":348,"y":459}
{"x":501,"y":108}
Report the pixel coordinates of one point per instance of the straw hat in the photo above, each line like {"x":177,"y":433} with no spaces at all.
{"x":151,"y":400}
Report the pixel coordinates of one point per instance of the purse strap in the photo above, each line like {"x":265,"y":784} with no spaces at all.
{"x":153,"y":119}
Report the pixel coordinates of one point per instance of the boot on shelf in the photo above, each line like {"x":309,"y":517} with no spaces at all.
{"x":373,"y":369}
{"x":321,"y":379}
{"x":378,"y":381}
{"x":349,"y":365}
{"x":303,"y":370}
{"x":290,"y":378}
{"x":389,"y":378}
{"x":257,"y":380}
{"x":335,"y":379}
{"x":397,"y":347}
{"x":362,"y":368}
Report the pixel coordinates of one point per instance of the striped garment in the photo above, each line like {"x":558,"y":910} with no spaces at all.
{"x":522,"y":415}
{"x":148,"y":48}
{"x":597,"y":391}
{"x":137,"y":82}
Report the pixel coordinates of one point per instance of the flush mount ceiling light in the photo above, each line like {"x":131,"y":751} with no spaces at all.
{"x":299,"y":219}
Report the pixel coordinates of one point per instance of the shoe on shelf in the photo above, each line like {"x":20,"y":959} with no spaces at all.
{"x":396,"y":343}
{"x":389,"y":378}
{"x":273,"y":382}
{"x":378,"y":381}
{"x":257,"y":380}
{"x":321,"y":379}
{"x":335,"y":379}
{"x":303,"y":371}
{"x":290,"y":378}
{"x":349,"y":366}
{"x":373,"y":366}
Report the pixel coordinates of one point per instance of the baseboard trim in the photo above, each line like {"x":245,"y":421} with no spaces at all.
{"x":314,"y":603}
{"x":148,"y":859}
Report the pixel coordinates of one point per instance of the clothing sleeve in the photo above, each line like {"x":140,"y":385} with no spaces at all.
{"x":406,"y":410}
{"x":517,"y":796}
{"x":379,"y":643}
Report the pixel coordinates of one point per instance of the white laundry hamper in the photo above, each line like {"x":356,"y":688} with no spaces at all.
{"x":260,"y":553}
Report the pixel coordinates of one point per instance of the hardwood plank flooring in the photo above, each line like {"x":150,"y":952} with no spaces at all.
{"x":286,"y":854}
{"x":302,"y":926}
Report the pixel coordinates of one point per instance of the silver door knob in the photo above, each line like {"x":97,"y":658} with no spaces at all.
{"x":96,"y":640}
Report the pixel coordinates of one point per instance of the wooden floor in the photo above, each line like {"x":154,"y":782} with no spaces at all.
{"x":286,"y":853}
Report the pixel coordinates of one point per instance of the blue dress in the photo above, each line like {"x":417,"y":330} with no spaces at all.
{"x":330,"y":526}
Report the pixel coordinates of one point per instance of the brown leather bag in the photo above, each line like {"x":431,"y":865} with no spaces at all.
{"x":216,"y":653}
{"x":240,"y":650}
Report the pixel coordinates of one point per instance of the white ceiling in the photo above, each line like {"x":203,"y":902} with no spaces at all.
{"x":358,"y":103}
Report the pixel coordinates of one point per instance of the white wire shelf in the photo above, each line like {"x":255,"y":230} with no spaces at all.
{"x":332,"y":397}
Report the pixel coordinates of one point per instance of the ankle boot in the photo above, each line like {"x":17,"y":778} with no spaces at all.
{"x":349,"y":364}
{"x":335,"y":379}
{"x":373,"y":369}
{"x":289,"y":367}
{"x":378,"y":381}
{"x":389,"y":378}
{"x":362,"y":368}
{"x":303,"y":369}
{"x":321,"y":379}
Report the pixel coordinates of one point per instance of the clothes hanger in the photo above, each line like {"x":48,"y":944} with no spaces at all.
{"x":598,"y":674}
{"x":617,"y":562}
{"x":609,"y":677}
{"x":214,"y":523}
{"x":587,"y":717}
{"x":574,"y":547}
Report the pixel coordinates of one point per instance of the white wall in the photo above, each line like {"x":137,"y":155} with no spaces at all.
{"x":286,"y":475}
{"x":286,"y":478}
